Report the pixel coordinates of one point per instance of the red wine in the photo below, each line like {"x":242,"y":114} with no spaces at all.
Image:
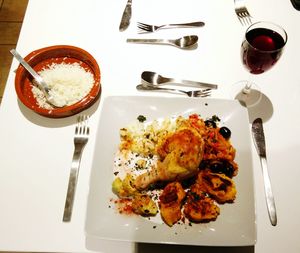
{"x":261,"y":49}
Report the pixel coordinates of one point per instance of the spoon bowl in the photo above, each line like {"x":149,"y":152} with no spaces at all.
{"x":154,"y":78}
{"x":186,"y":41}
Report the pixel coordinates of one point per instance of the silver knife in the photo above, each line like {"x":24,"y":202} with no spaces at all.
{"x":260,"y":144}
{"x":125,"y":21}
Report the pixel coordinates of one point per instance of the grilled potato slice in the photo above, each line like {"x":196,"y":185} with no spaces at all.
{"x":199,"y":207}
{"x":170,"y":203}
{"x":219,"y":186}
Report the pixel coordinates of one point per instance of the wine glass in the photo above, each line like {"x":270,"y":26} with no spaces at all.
{"x":261,"y":49}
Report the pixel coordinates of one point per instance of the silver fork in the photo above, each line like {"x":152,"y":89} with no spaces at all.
{"x":81,"y":137}
{"x":143,"y":28}
{"x":192,"y":93}
{"x":242,"y":12}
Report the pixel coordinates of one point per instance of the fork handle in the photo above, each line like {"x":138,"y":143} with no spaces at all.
{"x":72,"y":182}
{"x":182,"y":25}
{"x":148,"y":87}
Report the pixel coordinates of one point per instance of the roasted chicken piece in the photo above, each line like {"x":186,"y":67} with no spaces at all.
{"x":180,"y":155}
{"x":199,"y":207}
{"x":219,"y":186}
{"x":170,"y":203}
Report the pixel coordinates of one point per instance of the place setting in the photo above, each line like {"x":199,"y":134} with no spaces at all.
{"x":131,"y":182}
{"x":169,"y":157}
{"x":260,"y":50}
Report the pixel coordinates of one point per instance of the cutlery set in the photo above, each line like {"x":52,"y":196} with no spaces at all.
{"x":156,"y":79}
{"x":185,"y":42}
{"x":151,"y":81}
{"x":182,"y":43}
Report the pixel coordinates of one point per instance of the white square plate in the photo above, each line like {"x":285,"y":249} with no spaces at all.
{"x":235,"y":225}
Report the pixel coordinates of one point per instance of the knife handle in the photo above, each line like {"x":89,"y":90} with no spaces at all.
{"x":268,"y":191}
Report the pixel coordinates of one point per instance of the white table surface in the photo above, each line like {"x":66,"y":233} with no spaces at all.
{"x":35,"y":152}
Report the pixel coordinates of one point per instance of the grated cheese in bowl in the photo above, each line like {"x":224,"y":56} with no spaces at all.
{"x":68,"y":83}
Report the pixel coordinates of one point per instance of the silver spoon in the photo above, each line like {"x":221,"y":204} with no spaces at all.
{"x":158,"y":80}
{"x":183,"y":42}
{"x":38,"y":79}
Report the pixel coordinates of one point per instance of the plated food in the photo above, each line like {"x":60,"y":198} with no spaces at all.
{"x":72,"y":74}
{"x":181,"y":168}
{"x":234,"y":226}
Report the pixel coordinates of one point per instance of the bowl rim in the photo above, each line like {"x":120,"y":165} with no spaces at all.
{"x":66,"y":111}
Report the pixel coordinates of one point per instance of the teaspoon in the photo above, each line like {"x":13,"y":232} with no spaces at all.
{"x":158,"y":80}
{"x":183,"y":42}
{"x":38,"y":79}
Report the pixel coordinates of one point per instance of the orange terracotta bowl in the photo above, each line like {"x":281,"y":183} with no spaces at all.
{"x":43,"y":58}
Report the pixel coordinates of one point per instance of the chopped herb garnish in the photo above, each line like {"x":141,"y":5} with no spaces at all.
{"x":215,"y":118}
{"x":141,"y":118}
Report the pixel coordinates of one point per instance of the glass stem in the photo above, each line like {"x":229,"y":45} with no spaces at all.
{"x":247,"y":88}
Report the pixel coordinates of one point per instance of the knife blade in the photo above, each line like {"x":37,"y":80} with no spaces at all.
{"x":125,"y":21}
{"x":259,"y":137}
{"x":260,"y":144}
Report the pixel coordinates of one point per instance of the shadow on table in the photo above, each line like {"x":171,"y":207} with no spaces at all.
{"x":164,"y":248}
{"x":263,"y":109}
{"x":55,"y":122}
{"x":98,"y":245}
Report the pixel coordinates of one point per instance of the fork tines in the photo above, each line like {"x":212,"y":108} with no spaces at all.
{"x":244,"y":16}
{"x":201,"y":93}
{"x":82,"y":126}
{"x":144,"y":28}
{"x":242,"y":12}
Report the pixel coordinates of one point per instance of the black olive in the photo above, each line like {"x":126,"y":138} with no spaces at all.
{"x":225,"y":132}
{"x":210,"y":123}
{"x":223,"y":167}
{"x":216,"y":167}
